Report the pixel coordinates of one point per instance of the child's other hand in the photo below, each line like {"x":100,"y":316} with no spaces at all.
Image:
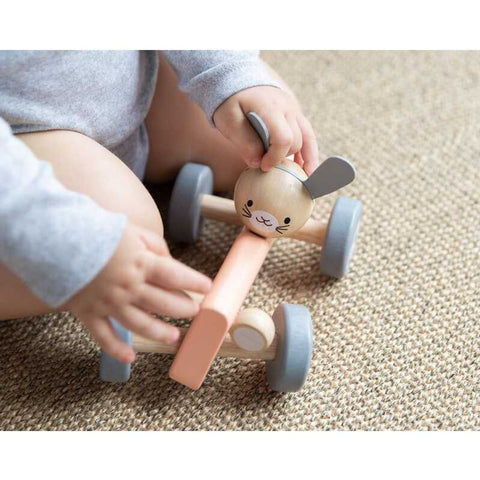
{"x":290,"y":132}
{"x":141,"y":277}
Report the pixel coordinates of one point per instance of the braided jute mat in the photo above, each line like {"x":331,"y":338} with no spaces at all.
{"x":397,"y":341}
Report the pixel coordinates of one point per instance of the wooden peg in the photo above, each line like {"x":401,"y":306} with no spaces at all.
{"x":253,"y":330}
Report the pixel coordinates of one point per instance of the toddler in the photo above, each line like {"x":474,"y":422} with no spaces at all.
{"x":79,"y":131}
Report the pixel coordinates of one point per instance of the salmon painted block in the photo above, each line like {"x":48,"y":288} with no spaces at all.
{"x":219,"y":309}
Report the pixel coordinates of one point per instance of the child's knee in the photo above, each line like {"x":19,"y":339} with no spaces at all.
{"x":84,"y":166}
{"x":151,"y":218}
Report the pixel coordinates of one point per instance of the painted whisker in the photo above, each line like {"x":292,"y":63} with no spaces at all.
{"x":246,"y":211}
{"x":280,"y":228}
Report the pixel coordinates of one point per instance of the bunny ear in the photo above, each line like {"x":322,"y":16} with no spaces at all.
{"x":332,"y":174}
{"x":259,"y":126}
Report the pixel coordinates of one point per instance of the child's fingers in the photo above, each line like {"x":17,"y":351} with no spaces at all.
{"x":238,"y":130}
{"x":174,"y":275}
{"x":166,"y":302}
{"x":297,"y":140}
{"x":309,"y":146}
{"x":104,"y":335}
{"x":154,"y":242}
{"x":281,"y":138}
{"x":142,"y":323}
{"x":299,"y":159}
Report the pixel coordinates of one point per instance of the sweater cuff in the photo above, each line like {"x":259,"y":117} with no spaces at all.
{"x":105,"y":230}
{"x":212,"y":87}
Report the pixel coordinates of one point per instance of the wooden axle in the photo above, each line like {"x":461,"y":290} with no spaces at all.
{"x":223,"y":210}
{"x":227,"y":349}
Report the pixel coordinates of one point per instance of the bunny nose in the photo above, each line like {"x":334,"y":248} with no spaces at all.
{"x":263,"y":221}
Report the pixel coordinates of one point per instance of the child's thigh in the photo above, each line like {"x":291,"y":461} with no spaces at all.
{"x":84,"y":166}
{"x":179,"y":132}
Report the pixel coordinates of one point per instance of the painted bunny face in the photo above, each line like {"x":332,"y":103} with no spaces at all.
{"x":274,"y":203}
{"x":280,"y":201}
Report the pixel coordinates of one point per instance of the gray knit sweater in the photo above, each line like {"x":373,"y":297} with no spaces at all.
{"x":57,"y":240}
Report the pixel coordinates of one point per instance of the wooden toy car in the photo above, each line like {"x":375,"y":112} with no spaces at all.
{"x":269,"y":205}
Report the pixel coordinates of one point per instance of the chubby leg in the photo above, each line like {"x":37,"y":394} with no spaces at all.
{"x":84,"y":166}
{"x":179,"y":133}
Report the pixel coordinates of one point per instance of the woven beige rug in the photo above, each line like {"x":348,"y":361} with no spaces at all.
{"x":397,"y":341}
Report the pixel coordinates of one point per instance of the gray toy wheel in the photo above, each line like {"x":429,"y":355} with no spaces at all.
{"x":111,"y":369}
{"x":184,"y":219}
{"x":288,"y":371}
{"x":341,"y":237}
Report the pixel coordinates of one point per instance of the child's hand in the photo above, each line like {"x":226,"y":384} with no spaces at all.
{"x":141,"y":277}
{"x":290,"y":132}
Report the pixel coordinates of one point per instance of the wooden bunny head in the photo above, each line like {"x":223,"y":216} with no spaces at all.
{"x":273,"y":203}
{"x":279,"y":202}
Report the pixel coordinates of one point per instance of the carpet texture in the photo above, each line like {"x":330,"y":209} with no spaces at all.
{"x":397,"y":341}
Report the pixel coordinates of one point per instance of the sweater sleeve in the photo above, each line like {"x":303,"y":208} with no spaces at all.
{"x":55,"y":240}
{"x":209,"y":77}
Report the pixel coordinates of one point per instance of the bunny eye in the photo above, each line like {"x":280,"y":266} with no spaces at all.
{"x":286,"y":220}
{"x":250,"y":203}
